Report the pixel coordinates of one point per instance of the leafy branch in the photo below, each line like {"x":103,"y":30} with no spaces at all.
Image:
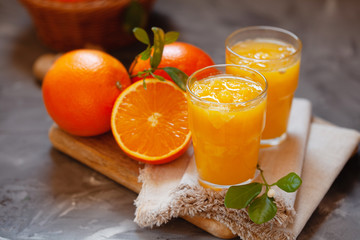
{"x":263,"y":208}
{"x":155,"y":52}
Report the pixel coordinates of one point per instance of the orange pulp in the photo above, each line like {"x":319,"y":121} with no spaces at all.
{"x":226,"y":135}
{"x":275,"y":61}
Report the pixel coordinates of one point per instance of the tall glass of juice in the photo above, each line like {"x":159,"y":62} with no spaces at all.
{"x":226,"y":105}
{"x":276,"y":54}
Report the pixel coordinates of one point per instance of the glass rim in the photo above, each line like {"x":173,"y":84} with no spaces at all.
{"x":192,"y":94}
{"x":275,"y":29}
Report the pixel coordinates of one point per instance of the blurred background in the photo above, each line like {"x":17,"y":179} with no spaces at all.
{"x":47,"y":195}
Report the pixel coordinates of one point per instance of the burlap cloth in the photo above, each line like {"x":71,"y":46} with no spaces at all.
{"x":316,"y":152}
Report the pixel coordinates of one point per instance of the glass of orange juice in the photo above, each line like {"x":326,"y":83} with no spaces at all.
{"x":276,"y":54}
{"x":226,"y":105}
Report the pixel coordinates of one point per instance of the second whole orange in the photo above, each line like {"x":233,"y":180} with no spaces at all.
{"x":183,"y":56}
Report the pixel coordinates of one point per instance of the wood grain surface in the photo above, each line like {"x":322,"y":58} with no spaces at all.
{"x":102,"y":154}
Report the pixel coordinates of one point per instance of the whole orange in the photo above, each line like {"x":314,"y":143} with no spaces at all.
{"x":80,"y":89}
{"x":183,"y":56}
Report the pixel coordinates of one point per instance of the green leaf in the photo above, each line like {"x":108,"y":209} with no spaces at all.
{"x":144,"y":84}
{"x":289,"y":183}
{"x":134,"y":16}
{"x":178,"y":76}
{"x":171,"y":37}
{"x":262,"y":209}
{"x":141,"y":35}
{"x":157,"y":77}
{"x":145,"y":54}
{"x":159,"y":42}
{"x":240,"y":196}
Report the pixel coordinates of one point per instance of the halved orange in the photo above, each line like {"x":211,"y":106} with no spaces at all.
{"x":151,"y":125}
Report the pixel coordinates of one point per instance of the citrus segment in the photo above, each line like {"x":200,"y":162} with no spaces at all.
{"x":151,"y":125}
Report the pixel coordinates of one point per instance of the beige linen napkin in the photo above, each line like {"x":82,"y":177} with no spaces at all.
{"x":172,"y":190}
{"x":328,"y":150}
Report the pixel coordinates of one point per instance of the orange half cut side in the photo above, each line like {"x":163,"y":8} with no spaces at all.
{"x":151,"y":125}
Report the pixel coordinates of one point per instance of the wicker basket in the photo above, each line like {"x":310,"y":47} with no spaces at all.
{"x":65,"y":26}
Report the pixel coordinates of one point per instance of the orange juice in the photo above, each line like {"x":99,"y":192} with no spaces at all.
{"x":226,"y":118}
{"x":279,"y":61}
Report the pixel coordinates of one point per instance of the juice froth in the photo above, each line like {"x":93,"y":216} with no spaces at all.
{"x":226,"y":89}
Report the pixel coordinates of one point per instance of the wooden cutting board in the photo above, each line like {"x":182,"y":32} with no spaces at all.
{"x":102,"y":154}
